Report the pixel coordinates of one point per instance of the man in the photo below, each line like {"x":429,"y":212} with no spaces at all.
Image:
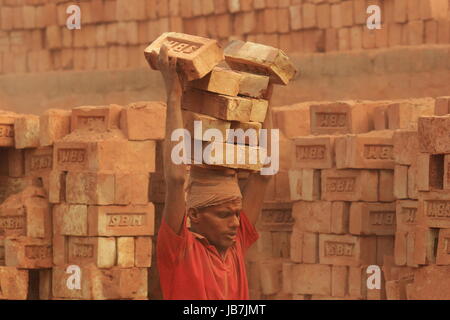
{"x":207,"y":260}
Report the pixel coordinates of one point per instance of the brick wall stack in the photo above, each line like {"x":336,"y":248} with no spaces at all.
{"x":88,"y":172}
{"x":34,"y":37}
{"x":25,"y":214}
{"x":422,"y":230}
{"x":342,"y":181}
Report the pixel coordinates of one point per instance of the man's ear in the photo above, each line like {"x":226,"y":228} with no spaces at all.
{"x":193,"y":215}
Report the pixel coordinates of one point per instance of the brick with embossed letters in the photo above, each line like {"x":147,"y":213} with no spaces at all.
{"x":7,"y":130}
{"x":372,"y":218}
{"x":434,"y":209}
{"x":112,"y":153}
{"x":28,"y":253}
{"x":406,"y":215}
{"x":83,"y":187}
{"x":196,"y":56}
{"x":313,"y":152}
{"x":349,"y":185}
{"x":339,"y":117}
{"x":99,"y":251}
{"x":38,"y":161}
{"x":347,"y":250}
{"x":133,"y":220}
{"x":372,"y":150}
{"x":95,"y":118}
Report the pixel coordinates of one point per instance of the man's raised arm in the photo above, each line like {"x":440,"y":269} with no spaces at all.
{"x":255,"y":189}
{"x":174,"y":208}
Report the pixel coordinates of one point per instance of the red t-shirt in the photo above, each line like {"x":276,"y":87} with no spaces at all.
{"x":192,"y":269}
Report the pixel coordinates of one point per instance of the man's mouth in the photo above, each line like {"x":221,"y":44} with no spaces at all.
{"x":231,"y":236}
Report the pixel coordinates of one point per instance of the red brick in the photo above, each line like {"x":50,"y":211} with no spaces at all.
{"x":14,"y":283}
{"x":331,"y":40}
{"x":369,"y":38}
{"x":372,"y":218}
{"x":330,"y":118}
{"x":372,"y":150}
{"x":313,"y":152}
{"x":26,"y":132}
{"x":270,"y":21}
{"x":400,"y":248}
{"x":386,"y":186}
{"x":434,"y":9}
{"x":349,"y":185}
{"x":446,"y":177}
{"x":434,"y":209}
{"x":197,"y":69}
{"x":406,"y":146}
{"x":38,"y":161}
{"x":413,"y":181}
{"x":283,"y":20}
{"x":296,"y":17}
{"x":220,"y":6}
{"x":286,"y":118}
{"x":430,"y":283}
{"x":110,"y":10}
{"x":340,"y":215}
{"x":74,"y":219}
{"x":415,"y":31}
{"x":6,"y":18}
{"x":90,"y":188}
{"x":347,"y":13}
{"x":431,"y":32}
{"x":143,"y":252}
{"x":98,"y":251}
{"x":116,"y":283}
{"x":309,"y":15}
{"x":400,"y":11}
{"x":312,"y":216}
{"x":304,"y":184}
{"x":131,"y":188}
{"x":404,"y":115}
{"x":95,"y":118}
{"x":443,"y":31}
{"x":406,"y":215}
{"x":28,"y":253}
{"x":344,"y":39}
{"x":311,"y":279}
{"x":108,"y":154}
{"x":359,"y":11}
{"x":395,"y":34}
{"x":401,"y":182}
{"x":336,"y":16}
{"x":347,"y":250}
{"x":433,"y":134}
{"x":442,"y":106}
{"x":339,"y":283}
{"x":121,"y":221}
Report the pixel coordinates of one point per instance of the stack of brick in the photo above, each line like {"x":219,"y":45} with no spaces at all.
{"x":429,"y":232}
{"x":25,"y":216}
{"x":34,"y":36}
{"x":342,"y":179}
{"x":232,"y":101}
{"x":102,"y":218}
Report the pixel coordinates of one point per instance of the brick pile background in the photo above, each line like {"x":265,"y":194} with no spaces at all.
{"x":34,"y":38}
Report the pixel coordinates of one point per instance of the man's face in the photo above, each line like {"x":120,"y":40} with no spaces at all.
{"x":219,"y":224}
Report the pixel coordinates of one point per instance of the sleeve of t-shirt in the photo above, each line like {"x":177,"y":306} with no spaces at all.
{"x":171,"y":246}
{"x":247,"y":232}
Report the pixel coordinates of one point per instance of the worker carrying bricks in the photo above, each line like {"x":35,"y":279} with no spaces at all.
{"x":206,"y":261}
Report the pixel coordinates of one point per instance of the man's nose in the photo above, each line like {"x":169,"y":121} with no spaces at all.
{"x":235,"y":222}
